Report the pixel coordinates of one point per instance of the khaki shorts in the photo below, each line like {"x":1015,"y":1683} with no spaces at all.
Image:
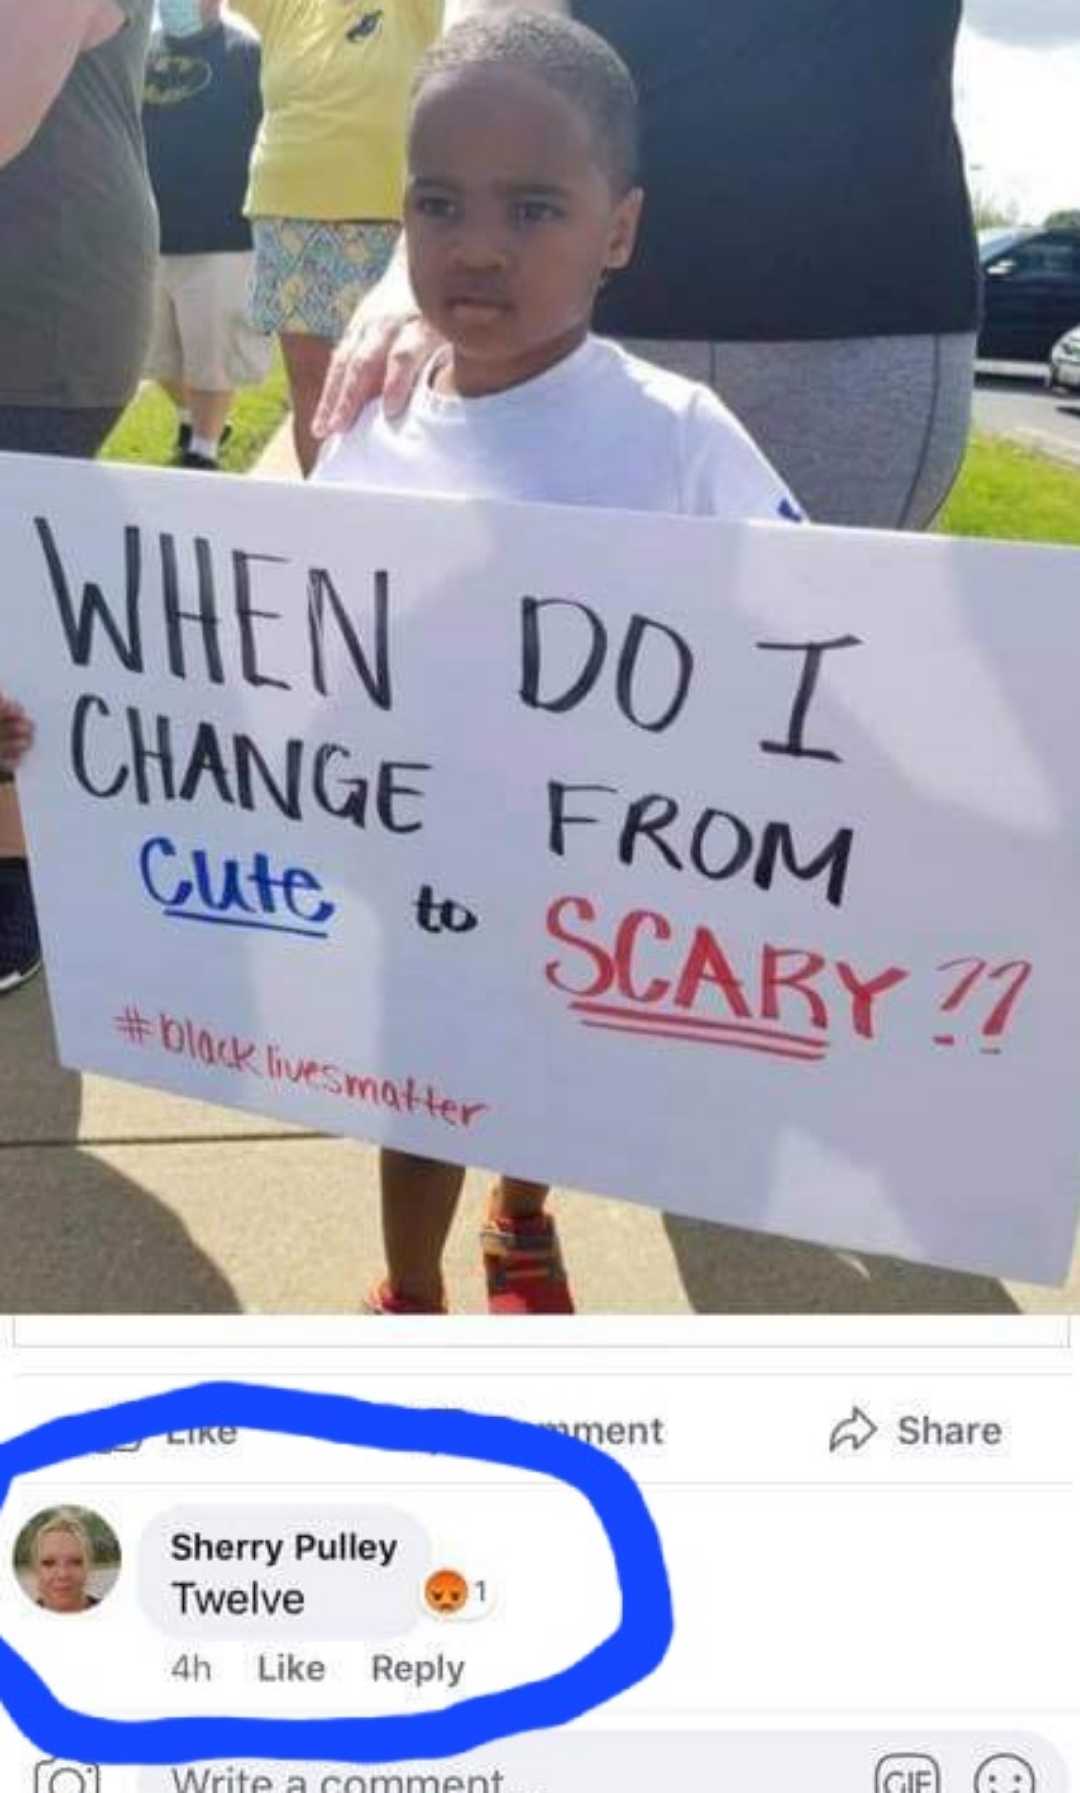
{"x":203,"y":337}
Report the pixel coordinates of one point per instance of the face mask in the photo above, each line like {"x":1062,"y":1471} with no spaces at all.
{"x":181,"y":18}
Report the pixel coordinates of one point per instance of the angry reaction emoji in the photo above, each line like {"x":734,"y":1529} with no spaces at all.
{"x":446,"y":1592}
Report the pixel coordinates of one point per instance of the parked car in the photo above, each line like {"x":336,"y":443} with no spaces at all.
{"x":996,"y":238}
{"x":1064,"y":371}
{"x":1031,"y":292}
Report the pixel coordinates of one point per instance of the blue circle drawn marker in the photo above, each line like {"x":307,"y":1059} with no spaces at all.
{"x":633,"y":1650}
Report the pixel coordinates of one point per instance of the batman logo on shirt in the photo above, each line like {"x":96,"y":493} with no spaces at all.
{"x":171,"y":79}
{"x":366,"y":26}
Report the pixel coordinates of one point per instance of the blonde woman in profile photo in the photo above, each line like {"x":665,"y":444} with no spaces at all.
{"x":60,"y":1561}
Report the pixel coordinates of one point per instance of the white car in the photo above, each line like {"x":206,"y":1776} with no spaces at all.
{"x":1064,"y":370}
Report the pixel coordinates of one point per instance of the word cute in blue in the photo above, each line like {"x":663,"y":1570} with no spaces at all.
{"x":200,"y":885}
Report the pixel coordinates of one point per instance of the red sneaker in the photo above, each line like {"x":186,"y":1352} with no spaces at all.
{"x":384,"y":1299}
{"x":523,"y":1267}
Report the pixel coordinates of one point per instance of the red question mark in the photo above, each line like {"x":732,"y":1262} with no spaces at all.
{"x":998,"y":1020}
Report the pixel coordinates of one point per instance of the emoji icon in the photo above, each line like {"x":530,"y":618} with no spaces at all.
{"x":1005,"y":1774}
{"x":446,"y":1593}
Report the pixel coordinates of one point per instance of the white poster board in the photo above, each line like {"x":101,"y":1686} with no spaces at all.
{"x":540,"y":839}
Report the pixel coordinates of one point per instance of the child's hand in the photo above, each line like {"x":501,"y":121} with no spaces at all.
{"x":16,"y":733}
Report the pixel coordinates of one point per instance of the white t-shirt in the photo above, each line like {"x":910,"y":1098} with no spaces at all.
{"x":602,"y":428}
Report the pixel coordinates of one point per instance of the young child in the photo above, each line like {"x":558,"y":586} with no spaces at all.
{"x":522,"y":199}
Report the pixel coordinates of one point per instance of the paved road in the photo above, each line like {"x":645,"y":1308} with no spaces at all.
{"x":1021,"y":407}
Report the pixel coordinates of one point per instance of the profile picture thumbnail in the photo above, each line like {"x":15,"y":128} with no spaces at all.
{"x":67,"y":1559}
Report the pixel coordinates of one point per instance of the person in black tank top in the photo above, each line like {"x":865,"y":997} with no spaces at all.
{"x":803,"y":173}
{"x":807,"y":244}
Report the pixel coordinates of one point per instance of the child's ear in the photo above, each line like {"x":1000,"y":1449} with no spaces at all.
{"x":624,"y":229}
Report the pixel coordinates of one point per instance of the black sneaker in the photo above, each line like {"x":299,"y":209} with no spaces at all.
{"x":202,"y":461}
{"x":182,"y":448}
{"x":20,"y":944}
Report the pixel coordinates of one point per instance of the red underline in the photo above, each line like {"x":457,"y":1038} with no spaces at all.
{"x":710,"y":1039}
{"x":655,"y":1018}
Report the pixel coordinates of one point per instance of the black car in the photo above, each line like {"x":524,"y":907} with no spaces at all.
{"x":1031,"y":292}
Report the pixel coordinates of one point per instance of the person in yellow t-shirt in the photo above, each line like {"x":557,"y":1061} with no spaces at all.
{"x":327,"y":172}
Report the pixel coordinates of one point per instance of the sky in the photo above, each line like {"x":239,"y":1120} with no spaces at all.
{"x":1018,"y":102}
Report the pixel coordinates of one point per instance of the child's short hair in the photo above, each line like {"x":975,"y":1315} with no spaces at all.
{"x":576,"y":62}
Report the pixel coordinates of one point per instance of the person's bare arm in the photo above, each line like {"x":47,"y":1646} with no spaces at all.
{"x":386,"y":342}
{"x":41,"y":40}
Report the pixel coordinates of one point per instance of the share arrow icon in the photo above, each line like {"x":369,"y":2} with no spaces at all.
{"x":855,"y":1431}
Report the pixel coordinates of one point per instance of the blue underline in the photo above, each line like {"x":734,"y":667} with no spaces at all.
{"x":230,"y":921}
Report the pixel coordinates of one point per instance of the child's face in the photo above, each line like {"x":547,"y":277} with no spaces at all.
{"x":511,"y":220}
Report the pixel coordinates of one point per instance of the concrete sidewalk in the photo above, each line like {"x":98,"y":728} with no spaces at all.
{"x":117,"y":1199}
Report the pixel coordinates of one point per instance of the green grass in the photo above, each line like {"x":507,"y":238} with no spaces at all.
{"x":147,"y":430}
{"x":1003,"y":491}
{"x":1013,"y":494}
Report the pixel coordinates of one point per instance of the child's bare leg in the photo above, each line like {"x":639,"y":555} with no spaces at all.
{"x":523,"y":1265}
{"x":419,"y":1200}
{"x":513,"y":1199}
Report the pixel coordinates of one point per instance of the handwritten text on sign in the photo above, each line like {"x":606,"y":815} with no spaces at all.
{"x":487,"y":817}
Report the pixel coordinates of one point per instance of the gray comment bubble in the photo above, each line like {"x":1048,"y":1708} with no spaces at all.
{"x":580,"y":1761}
{"x":304,"y":1572}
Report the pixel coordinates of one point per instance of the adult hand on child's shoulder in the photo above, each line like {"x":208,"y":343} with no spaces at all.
{"x":377,"y":355}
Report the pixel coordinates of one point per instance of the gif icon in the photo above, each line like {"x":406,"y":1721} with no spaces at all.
{"x":53,"y":1776}
{"x":907,"y":1774}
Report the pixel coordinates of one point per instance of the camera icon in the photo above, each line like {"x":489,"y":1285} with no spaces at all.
{"x":54,"y":1776}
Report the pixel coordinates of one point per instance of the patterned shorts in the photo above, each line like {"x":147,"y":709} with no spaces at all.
{"x":311,"y":275}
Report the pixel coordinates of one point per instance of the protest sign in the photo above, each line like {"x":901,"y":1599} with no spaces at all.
{"x":732,"y":869}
